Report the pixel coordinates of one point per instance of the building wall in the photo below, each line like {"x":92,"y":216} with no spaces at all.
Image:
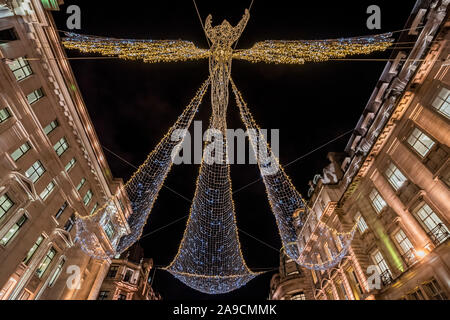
{"x":46,"y":70}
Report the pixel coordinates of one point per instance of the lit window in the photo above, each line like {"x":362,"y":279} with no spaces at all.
{"x":442,"y":102}
{"x":45,"y":263}
{"x":61,"y":210}
{"x":33,"y":250}
{"x":298,"y":296}
{"x":103,"y":295}
{"x":383,"y":267}
{"x":52,"y":126}
{"x":433,"y":224}
{"x":405,"y":245}
{"x":13,"y":231}
{"x":19,"y":153}
{"x":35,"y":172}
{"x":48,"y":190}
{"x":4,"y":115}
{"x":109,"y":230}
{"x":395,"y":177}
{"x":5,"y":205}
{"x":377,"y":201}
{"x":94,"y":208}
{"x":420,"y":142}
{"x":71,"y":164}
{"x":362,"y":225}
{"x":35,"y":96}
{"x":434,"y":290}
{"x":81,"y":184}
{"x":61,"y":146}
{"x":21,"y":68}
{"x":70,"y":223}
{"x":87,"y":198}
{"x":56,"y":273}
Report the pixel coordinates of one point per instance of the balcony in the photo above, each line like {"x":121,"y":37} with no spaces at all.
{"x":410,"y":257}
{"x":386,"y":278}
{"x":439,"y":234}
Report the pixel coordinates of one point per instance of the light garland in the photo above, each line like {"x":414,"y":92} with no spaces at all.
{"x":210,"y":258}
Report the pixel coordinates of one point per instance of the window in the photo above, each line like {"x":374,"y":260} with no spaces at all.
{"x":33,"y":250}
{"x":45,"y":263}
{"x":420,"y":142}
{"x":378,"y":202}
{"x":70,"y":223}
{"x":21,"y":68}
{"x":298,"y":296}
{"x":122,"y":297}
{"x":13,"y":231}
{"x":56,"y":273}
{"x":103,"y":295}
{"x":432,"y":224}
{"x":113,"y":271}
{"x":48,"y":190}
{"x":8,"y":35}
{"x":362,"y":225}
{"x":341,"y":290}
{"x":35,"y":96}
{"x":71,"y":164}
{"x":128,"y":275}
{"x":416,"y":295}
{"x":61,"y":146}
{"x":87,"y":198}
{"x":5,"y":205}
{"x":35,"y":172}
{"x":19,"y":153}
{"x":314,"y":276}
{"x":52,"y":126}
{"x":94,"y":208}
{"x":354,"y":284}
{"x":81,"y":184}
{"x":434,"y":291}
{"x":395,"y":177}
{"x":442,"y":102}
{"x":109,"y":230}
{"x":383,"y":268}
{"x":4,"y":115}
{"x":406,"y":248}
{"x":61,"y":210}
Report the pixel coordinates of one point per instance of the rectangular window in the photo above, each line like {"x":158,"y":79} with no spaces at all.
{"x":81,"y":184}
{"x":48,"y":190}
{"x":298,"y":296}
{"x":71,"y":164}
{"x":40,"y":271}
{"x":109,"y":230}
{"x":383,"y":268}
{"x":416,"y":295}
{"x":362,"y":225}
{"x":327,"y":251}
{"x":88,"y":197}
{"x":56,"y":273}
{"x":5,"y":205}
{"x":70,"y":223}
{"x":420,"y":142}
{"x":4,"y":115}
{"x":434,"y":291}
{"x":122,"y":297}
{"x":61,"y":146}
{"x":378,"y":202}
{"x":33,"y":250}
{"x":8,"y":35}
{"x":35,"y":96}
{"x":395,"y":177}
{"x":13,"y":231}
{"x":21,"y":68}
{"x":442,"y":102}
{"x":19,"y":153}
{"x":61,"y":210}
{"x":406,"y":248}
{"x":94,"y":208}
{"x":103,"y":295}
{"x":52,"y":126}
{"x":35,"y":172}
{"x":113,"y":271}
{"x":433,"y":224}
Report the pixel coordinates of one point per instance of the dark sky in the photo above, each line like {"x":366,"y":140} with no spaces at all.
{"x":132,"y":105}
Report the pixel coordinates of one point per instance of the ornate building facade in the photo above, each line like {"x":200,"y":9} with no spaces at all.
{"x":51,"y":164}
{"x":392,"y":182}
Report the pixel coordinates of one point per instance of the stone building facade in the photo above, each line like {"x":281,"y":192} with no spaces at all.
{"x":51,"y":163}
{"x":392,"y":181}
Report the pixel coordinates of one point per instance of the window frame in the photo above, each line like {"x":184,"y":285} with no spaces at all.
{"x":23,"y":65}
{"x":394,"y":175}
{"x":21,"y":150}
{"x":38,"y":95}
{"x":61,"y":146}
{"x":417,"y":140}
{"x":377,"y":200}
{"x":5,"y":114}
{"x":40,"y":168}
{"x":19,"y":223}
{"x":6,"y":199}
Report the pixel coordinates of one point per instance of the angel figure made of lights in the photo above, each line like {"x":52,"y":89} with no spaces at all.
{"x":209,"y":258}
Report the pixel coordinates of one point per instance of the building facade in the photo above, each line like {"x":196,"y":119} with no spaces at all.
{"x":129,"y":278}
{"x":51,"y":164}
{"x":391,"y":183}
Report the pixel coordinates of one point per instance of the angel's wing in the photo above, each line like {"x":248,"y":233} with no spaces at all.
{"x":299,"y":52}
{"x":147,"y":50}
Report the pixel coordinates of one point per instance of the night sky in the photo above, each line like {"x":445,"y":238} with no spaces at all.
{"x":132,"y":105}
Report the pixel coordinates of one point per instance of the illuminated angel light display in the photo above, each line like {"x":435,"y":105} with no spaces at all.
{"x":209,"y":258}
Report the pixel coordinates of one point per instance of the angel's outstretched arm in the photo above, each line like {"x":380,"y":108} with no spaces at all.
{"x":299,"y":52}
{"x":146,"y":50}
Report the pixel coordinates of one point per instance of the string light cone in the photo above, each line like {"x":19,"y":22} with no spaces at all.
{"x":209,"y":258}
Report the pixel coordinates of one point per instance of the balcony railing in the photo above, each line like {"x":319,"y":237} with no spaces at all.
{"x":410,"y":257}
{"x":386,"y":277}
{"x":439,"y":234}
